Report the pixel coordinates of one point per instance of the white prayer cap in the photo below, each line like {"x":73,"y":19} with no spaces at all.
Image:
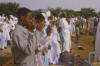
{"x":48,"y":13}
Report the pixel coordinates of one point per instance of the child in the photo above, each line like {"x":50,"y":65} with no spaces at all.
{"x":47,"y":42}
{"x":6,"y":32}
{"x":1,"y":37}
{"x":61,"y":38}
{"x":55,"y":50}
{"x":3,"y":34}
{"x":40,"y":22}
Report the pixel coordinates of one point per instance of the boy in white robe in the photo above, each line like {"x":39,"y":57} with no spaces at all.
{"x":1,"y":41}
{"x":4,"y":37}
{"x":47,"y":41}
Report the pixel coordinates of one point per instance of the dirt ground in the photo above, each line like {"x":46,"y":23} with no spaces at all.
{"x":80,"y":55}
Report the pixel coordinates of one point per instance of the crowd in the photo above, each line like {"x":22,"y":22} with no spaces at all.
{"x":7,"y":24}
{"x":39,"y":40}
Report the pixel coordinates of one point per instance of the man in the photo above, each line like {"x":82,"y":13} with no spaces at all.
{"x":23,"y":40}
{"x":97,"y":41}
{"x":66,"y":33}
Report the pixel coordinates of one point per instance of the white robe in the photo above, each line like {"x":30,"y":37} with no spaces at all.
{"x":46,"y":25}
{"x":66,"y":34}
{"x":55,"y":51}
{"x":12,"y":23}
{"x":97,"y":41}
{"x":5,"y":36}
{"x":72,"y":22}
{"x":6,"y":29}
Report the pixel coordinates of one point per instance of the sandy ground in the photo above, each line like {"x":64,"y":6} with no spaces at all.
{"x":85,"y":40}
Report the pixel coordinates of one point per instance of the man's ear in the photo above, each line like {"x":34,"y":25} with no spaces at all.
{"x":22,"y":18}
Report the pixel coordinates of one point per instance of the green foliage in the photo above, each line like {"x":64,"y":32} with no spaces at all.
{"x":88,"y":12}
{"x":11,"y":8}
{"x":99,"y":14}
{"x":56,"y":11}
{"x":8,"y":8}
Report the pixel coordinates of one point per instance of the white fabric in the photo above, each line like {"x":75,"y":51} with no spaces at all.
{"x":66,"y":34}
{"x":13,"y":21}
{"x":72,"y":22}
{"x":46,"y":18}
{"x":5,"y":36}
{"x":48,"y":13}
{"x":97,"y":41}
{"x":12,"y":24}
{"x":55,"y":51}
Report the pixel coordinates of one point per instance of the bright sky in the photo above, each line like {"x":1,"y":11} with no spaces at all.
{"x":70,"y":4}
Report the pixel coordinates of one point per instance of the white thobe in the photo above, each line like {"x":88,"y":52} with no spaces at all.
{"x":12,"y":24}
{"x":5,"y":36}
{"x":72,"y":22}
{"x":97,"y":41}
{"x":55,"y":51}
{"x":66,"y":34}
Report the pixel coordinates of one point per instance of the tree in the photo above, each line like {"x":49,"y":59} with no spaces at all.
{"x":56,"y":11}
{"x":88,"y":12}
{"x":9,"y":8}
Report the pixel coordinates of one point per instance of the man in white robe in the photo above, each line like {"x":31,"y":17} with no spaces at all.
{"x":72,"y":23}
{"x":97,"y":41}
{"x":66,"y":34}
{"x":4,"y":34}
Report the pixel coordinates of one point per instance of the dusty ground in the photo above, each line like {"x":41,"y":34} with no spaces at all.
{"x":85,"y":40}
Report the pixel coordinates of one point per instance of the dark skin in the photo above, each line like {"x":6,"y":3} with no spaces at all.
{"x":27,"y":21}
{"x":1,"y":29}
{"x":40,"y":26}
{"x":68,"y":18}
{"x":50,"y":30}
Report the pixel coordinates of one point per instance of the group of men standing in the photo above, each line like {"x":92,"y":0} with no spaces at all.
{"x":7,"y":24}
{"x":39,"y":41}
